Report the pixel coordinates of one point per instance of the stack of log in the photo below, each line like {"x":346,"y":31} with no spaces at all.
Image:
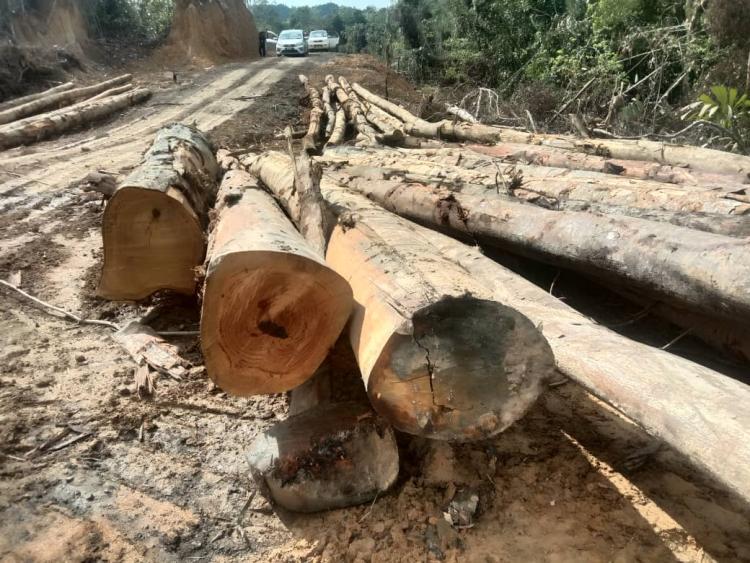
{"x":60,"y":109}
{"x":450,"y":345}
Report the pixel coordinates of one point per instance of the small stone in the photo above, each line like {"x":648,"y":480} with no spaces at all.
{"x":90,"y":497}
{"x":378,"y":527}
{"x":124,"y":391}
{"x":80,"y":358}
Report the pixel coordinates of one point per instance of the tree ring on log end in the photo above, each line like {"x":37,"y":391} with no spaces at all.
{"x":469,"y":370}
{"x":269,"y":320}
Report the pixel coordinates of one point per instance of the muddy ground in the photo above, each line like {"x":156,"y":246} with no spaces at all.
{"x":91,"y":471}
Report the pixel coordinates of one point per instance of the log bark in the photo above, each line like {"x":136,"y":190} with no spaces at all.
{"x":694,"y":158}
{"x":271,"y":307}
{"x":31,"y":97}
{"x":44,"y":126}
{"x":311,"y":139}
{"x":697,"y":411}
{"x":146,"y":347}
{"x":426,"y":339}
{"x":637,"y":169}
{"x":700,"y":271}
{"x":460,"y":113}
{"x":60,"y":99}
{"x":366,"y":134}
{"x":153,"y":227}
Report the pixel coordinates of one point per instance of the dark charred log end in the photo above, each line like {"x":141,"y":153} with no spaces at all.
{"x":471,"y":368}
{"x":331,"y":456}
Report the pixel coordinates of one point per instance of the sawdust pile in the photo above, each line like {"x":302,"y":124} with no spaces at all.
{"x":210,"y":31}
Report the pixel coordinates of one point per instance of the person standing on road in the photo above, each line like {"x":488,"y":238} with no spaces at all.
{"x":262,"y":43}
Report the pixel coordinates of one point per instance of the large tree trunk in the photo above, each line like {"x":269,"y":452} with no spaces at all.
{"x":391,"y":127}
{"x":153,"y":227}
{"x":700,"y":271}
{"x":638,"y":169}
{"x":31,"y":131}
{"x":697,"y":411}
{"x":329,"y":111}
{"x":271,"y":307}
{"x":60,"y":99}
{"x":437,"y":357}
{"x":31,"y":97}
{"x":694,"y":158}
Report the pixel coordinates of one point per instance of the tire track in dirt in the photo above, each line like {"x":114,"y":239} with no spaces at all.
{"x":47,"y":167}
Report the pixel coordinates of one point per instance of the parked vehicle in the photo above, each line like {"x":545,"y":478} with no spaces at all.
{"x":271,"y":39}
{"x":333,"y":42}
{"x":291,"y":42}
{"x":318,"y":41}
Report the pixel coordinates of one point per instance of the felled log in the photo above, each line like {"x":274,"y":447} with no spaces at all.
{"x":553,"y":185}
{"x":722,"y":224}
{"x":438,"y":358}
{"x":59,"y":99}
{"x":697,"y":411}
{"x":310,"y":141}
{"x":154,"y":223}
{"x":366,"y":134}
{"x":31,"y":97}
{"x":332,"y":456}
{"x":392,"y":128}
{"x":700,"y":271}
{"x":460,"y":113}
{"x":694,"y":158}
{"x":271,"y":307}
{"x":638,"y":169}
{"x":338,"y":134}
{"x":329,"y":111}
{"x":27,"y":132}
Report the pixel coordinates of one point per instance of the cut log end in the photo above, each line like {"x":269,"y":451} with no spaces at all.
{"x":270,"y":312}
{"x":470,"y":369}
{"x":152,"y":240}
{"x":331,"y":456}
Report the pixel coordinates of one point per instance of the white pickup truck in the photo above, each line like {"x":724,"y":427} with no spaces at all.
{"x":319,"y":40}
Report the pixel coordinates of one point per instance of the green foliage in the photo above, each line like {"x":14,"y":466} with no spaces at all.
{"x":721,"y":105}
{"x":147,"y":20}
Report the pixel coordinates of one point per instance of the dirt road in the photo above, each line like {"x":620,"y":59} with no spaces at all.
{"x":90,"y":471}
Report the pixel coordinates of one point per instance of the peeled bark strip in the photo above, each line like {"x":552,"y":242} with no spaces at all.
{"x":146,"y":347}
{"x":697,"y":411}
{"x":641,"y":170}
{"x":700,"y":271}
{"x":329,"y":111}
{"x":153,"y":225}
{"x":24,"y":133}
{"x":31,"y":97}
{"x":461,"y":113}
{"x":59,"y":99}
{"x":310,"y":141}
{"x":440,"y":358}
{"x":354,"y":113}
{"x":271,"y":307}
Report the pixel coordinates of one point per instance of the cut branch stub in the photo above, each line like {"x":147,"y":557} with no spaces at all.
{"x":153,"y":227}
